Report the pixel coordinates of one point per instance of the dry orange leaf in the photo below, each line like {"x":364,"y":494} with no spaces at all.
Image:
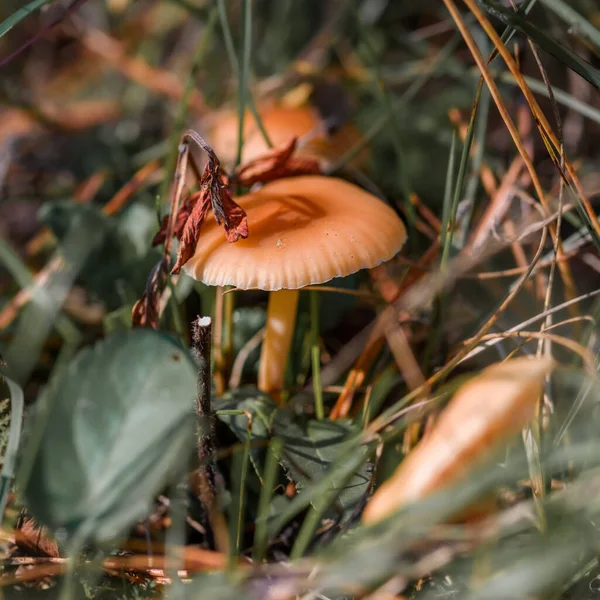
{"x":482,"y":413}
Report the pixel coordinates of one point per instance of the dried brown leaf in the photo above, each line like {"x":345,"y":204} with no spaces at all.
{"x":145,"y":312}
{"x":191,"y":230}
{"x":182,"y":217}
{"x":226,"y":211}
{"x":276,"y":164}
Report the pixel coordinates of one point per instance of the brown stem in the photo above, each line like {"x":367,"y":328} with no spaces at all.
{"x":205,"y":480}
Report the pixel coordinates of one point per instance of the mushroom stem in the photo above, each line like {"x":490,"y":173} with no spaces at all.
{"x":281,"y":318}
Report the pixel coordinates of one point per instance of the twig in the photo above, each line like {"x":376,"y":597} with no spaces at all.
{"x":206,"y":489}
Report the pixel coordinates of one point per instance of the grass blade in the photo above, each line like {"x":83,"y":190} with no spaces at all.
{"x":578,"y":23}
{"x":544,"y":41}
{"x":271,"y":467}
{"x":179,"y":124}
{"x":447,"y":202}
{"x":235,"y":67}
{"x":20,"y":14}
{"x":315,"y":353}
{"x":244,"y":75}
{"x":462,"y":171}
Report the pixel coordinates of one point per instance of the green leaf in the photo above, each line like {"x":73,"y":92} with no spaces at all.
{"x":544,"y":41}
{"x":19,"y":15}
{"x":119,"y":425}
{"x":262,"y":408}
{"x":310,"y":452}
{"x":119,"y":266}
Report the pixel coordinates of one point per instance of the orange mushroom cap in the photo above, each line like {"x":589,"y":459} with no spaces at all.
{"x":302,"y":231}
{"x":282,"y":123}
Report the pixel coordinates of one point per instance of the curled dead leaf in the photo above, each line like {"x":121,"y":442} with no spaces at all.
{"x":191,"y":230}
{"x":182,"y":216}
{"x":482,"y":414}
{"x":145,"y":312}
{"x":275,"y":164}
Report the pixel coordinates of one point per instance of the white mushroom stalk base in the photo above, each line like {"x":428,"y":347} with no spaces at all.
{"x":281,"y":319}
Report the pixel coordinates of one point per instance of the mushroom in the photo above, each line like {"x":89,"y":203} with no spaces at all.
{"x":303,"y":230}
{"x":282,"y":123}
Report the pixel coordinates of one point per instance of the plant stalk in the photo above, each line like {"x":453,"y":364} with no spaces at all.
{"x":205,"y":487}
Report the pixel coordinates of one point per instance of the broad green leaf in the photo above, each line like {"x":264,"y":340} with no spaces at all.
{"x":119,"y":426}
{"x":262,"y":408}
{"x":119,"y":266}
{"x":310,"y":452}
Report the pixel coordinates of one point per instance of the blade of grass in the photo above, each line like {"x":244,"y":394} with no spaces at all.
{"x":315,"y":354}
{"x":235,"y":67}
{"x":71,"y":8}
{"x":452,"y":193}
{"x":447,"y":204}
{"x":175,"y":535}
{"x":264,"y":502}
{"x":244,"y":74}
{"x":462,"y":171}
{"x":481,"y":128}
{"x":544,"y":41}
{"x":562,"y":97}
{"x":523,"y":11}
{"x":20,"y":14}
{"x":549,"y":138}
{"x":48,"y":299}
{"x":578,"y":23}
{"x":179,"y":124}
{"x":540,"y":118}
{"x":239,"y":474}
